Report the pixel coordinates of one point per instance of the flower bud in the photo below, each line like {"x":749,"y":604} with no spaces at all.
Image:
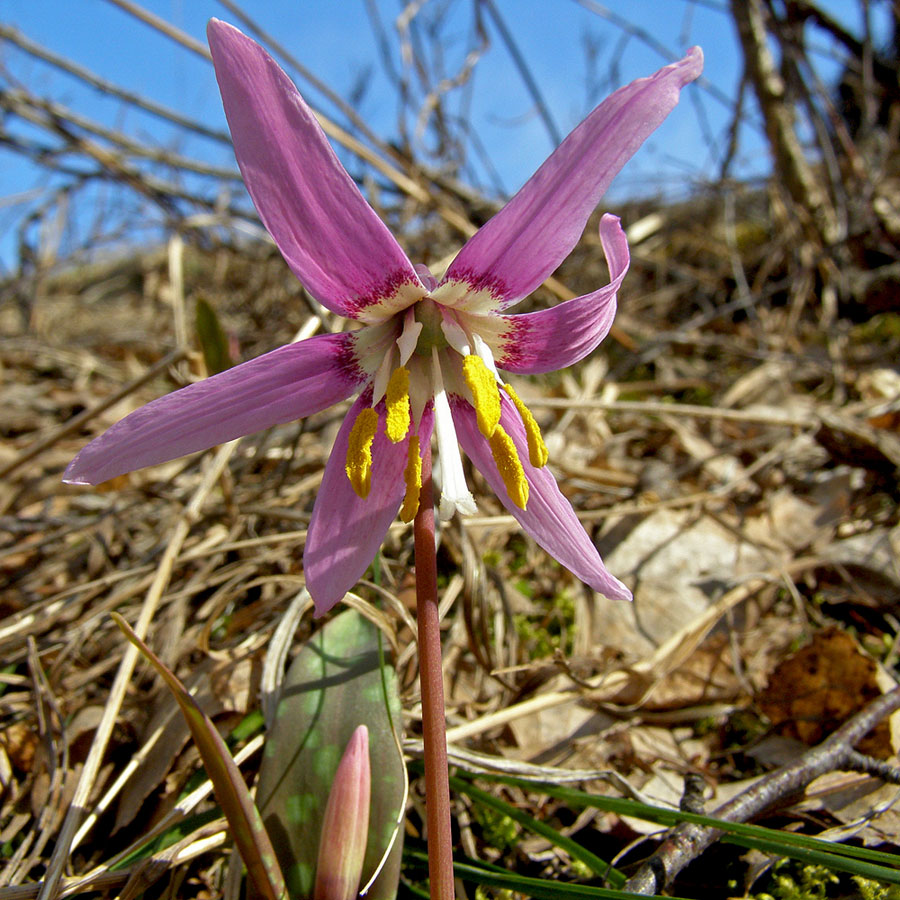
{"x":345,"y":827}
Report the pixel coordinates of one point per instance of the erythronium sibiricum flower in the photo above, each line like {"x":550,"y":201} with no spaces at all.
{"x":427,"y":355}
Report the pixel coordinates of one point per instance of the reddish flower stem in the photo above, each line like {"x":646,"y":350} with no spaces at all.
{"x":431,"y":680}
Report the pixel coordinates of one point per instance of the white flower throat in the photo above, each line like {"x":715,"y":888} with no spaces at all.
{"x":432,"y":352}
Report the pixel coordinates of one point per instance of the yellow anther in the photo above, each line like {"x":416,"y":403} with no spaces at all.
{"x":359,"y":451}
{"x":537,"y":449}
{"x":397,"y":401}
{"x":413,"y":478}
{"x":484,"y":390}
{"x":510,"y":466}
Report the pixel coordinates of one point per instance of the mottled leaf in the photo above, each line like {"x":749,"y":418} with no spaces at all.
{"x":228,"y":785}
{"x":336,"y":683}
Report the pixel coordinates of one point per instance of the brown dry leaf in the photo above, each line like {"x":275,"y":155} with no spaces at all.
{"x":235,"y":682}
{"x":547,"y":737}
{"x":791,"y":521}
{"x":871,"y":560}
{"x":818,"y":688}
{"x":81,"y":728}
{"x":708,"y":676}
{"x":857,"y":443}
{"x":20,"y":741}
{"x":719,"y":467}
{"x":678,"y":563}
{"x":890,"y":421}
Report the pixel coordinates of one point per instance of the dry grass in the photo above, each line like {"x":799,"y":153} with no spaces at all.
{"x":703,"y":430}
{"x":733,"y":449}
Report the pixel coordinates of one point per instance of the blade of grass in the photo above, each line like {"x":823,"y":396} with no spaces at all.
{"x":228,"y":785}
{"x":597,"y":865}
{"x":827,"y":858}
{"x":737,"y":829}
{"x":477,"y":872}
{"x":879,"y":865}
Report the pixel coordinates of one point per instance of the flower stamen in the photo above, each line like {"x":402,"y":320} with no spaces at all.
{"x":538,"y":454}
{"x":484,"y":390}
{"x":397,"y":402}
{"x":413,"y":478}
{"x":359,"y":451}
{"x":510,"y":466}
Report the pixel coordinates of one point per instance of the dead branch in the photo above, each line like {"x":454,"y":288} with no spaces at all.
{"x":790,"y":162}
{"x":686,"y":842}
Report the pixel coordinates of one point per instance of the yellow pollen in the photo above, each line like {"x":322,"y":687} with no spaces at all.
{"x":510,"y":466}
{"x":413,"y":478}
{"x":537,"y":449}
{"x":397,"y":402}
{"x":484,"y":390}
{"x":359,"y":451}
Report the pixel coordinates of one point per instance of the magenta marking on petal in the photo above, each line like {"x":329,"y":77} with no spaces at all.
{"x":384,"y":292}
{"x":347,"y":361}
{"x":515,"y":354}
{"x":485,"y":282}
{"x":553,"y":338}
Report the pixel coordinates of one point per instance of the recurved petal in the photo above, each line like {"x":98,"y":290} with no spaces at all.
{"x":294,"y":381}
{"x":525,"y":242}
{"x":330,"y":237}
{"x":548,"y":516}
{"x":554,"y":338}
{"x":346,"y":531}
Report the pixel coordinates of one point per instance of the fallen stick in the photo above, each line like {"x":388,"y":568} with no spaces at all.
{"x":685,"y":842}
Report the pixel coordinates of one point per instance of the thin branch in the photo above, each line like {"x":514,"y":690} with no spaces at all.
{"x":108,"y":87}
{"x":522,"y":65}
{"x":686,"y":842}
{"x":20,"y":102}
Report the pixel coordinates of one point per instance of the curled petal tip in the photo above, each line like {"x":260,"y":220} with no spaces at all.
{"x":693,"y":61}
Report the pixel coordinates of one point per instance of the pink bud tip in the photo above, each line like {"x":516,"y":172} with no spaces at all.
{"x":342,"y":845}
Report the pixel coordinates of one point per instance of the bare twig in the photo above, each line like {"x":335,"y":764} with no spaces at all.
{"x":789,"y":159}
{"x":686,"y":842}
{"x":522,"y":65}
{"x":14,"y":36}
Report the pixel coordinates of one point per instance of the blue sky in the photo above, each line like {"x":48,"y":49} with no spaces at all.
{"x":335,"y":41}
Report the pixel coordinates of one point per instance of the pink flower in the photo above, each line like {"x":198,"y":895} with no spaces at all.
{"x":427,"y":354}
